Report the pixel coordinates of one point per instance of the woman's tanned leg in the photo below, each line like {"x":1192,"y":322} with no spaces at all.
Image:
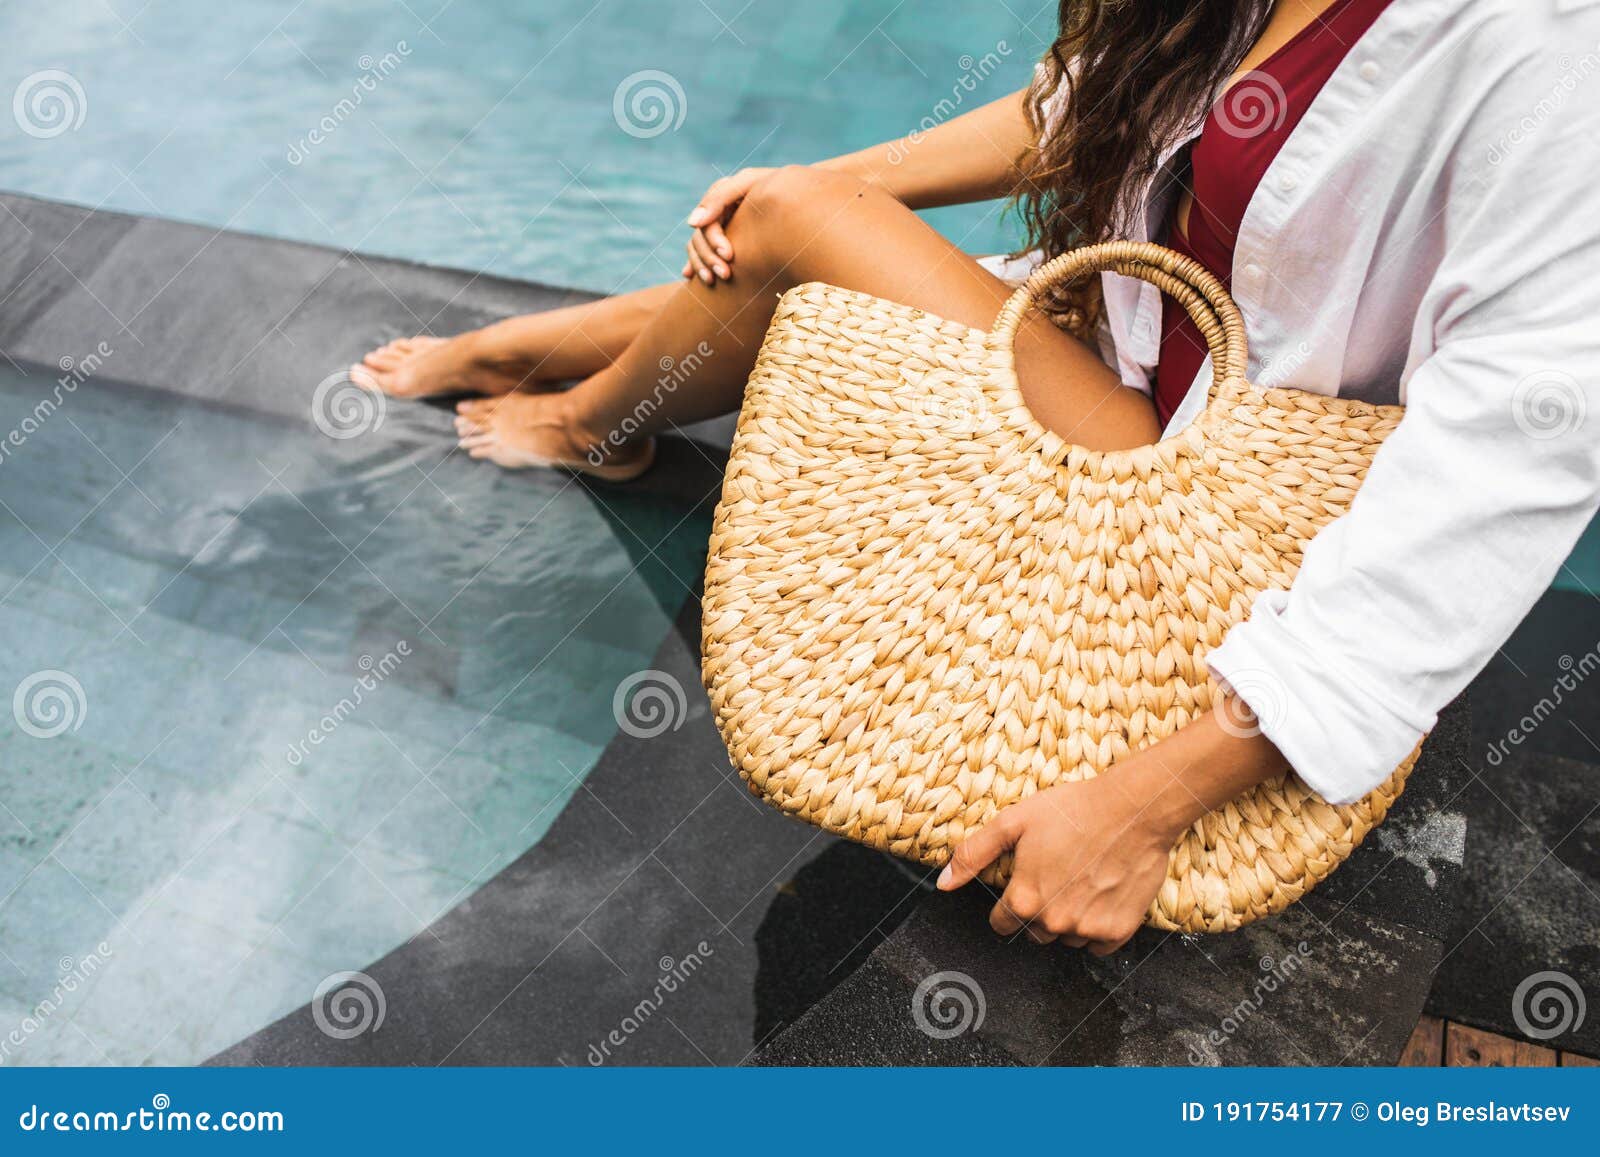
{"x":526,"y":352}
{"x":798,"y":225}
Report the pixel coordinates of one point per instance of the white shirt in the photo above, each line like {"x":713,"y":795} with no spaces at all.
{"x":1429,"y":234}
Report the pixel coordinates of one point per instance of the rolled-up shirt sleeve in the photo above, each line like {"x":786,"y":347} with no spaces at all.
{"x":1474,"y":502}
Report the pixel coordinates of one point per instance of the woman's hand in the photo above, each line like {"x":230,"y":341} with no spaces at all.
{"x":710,"y":251}
{"x":1089,"y":857}
{"x":973,"y":157}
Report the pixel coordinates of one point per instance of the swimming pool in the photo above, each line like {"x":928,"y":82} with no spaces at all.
{"x":319,"y":690}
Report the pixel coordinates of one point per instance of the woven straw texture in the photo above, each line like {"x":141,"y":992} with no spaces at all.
{"x":922,"y":606}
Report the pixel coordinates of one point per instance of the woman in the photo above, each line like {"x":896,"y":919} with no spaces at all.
{"x":1398,"y":192}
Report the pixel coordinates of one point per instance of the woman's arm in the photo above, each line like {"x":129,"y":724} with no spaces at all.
{"x":1467,"y":513}
{"x":1089,"y":857}
{"x":971,"y":158}
{"x":1473,"y":504}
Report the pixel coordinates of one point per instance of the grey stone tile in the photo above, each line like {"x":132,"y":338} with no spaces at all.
{"x":1524,"y":949}
{"x":1408,"y":869}
{"x":942,"y":989}
{"x":543,"y":960}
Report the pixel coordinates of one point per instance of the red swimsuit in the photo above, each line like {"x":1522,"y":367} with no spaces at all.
{"x":1240,"y":138}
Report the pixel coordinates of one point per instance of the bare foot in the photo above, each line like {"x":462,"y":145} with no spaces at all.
{"x":423,"y":366}
{"x":522,"y":430}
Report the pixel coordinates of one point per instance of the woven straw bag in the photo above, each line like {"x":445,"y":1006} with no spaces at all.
{"x":922,"y":606}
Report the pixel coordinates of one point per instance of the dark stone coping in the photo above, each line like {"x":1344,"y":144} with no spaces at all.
{"x":1529,"y":904}
{"x":231,"y":318}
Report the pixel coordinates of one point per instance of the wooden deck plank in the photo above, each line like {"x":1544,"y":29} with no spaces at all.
{"x":1473,"y":1048}
{"x":1574,"y":1061}
{"x":1425,"y":1049}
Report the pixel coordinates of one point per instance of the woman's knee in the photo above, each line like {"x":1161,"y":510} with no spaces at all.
{"x":795,"y":187}
{"x":795,"y":202}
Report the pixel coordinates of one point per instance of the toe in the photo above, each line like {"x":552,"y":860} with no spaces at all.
{"x":478,"y":410}
{"x":364,"y":377}
{"x":384,"y":358}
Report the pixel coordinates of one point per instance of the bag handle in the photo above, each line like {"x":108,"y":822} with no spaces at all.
{"x":1183,"y":278}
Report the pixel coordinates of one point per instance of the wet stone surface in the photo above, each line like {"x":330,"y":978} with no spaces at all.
{"x":1522,"y":955}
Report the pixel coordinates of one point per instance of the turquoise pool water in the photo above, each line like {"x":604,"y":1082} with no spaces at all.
{"x":309,"y":695}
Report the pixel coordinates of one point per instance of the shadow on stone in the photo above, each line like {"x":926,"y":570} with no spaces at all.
{"x":822,"y":924}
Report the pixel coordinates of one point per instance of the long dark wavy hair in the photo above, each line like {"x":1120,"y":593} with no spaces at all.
{"x":1122,"y":77}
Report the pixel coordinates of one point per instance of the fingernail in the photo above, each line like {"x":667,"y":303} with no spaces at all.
{"x":722,"y":271}
{"x":705,"y":276}
{"x":724,"y":251}
{"x":946,"y":876}
{"x":697,"y":216}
